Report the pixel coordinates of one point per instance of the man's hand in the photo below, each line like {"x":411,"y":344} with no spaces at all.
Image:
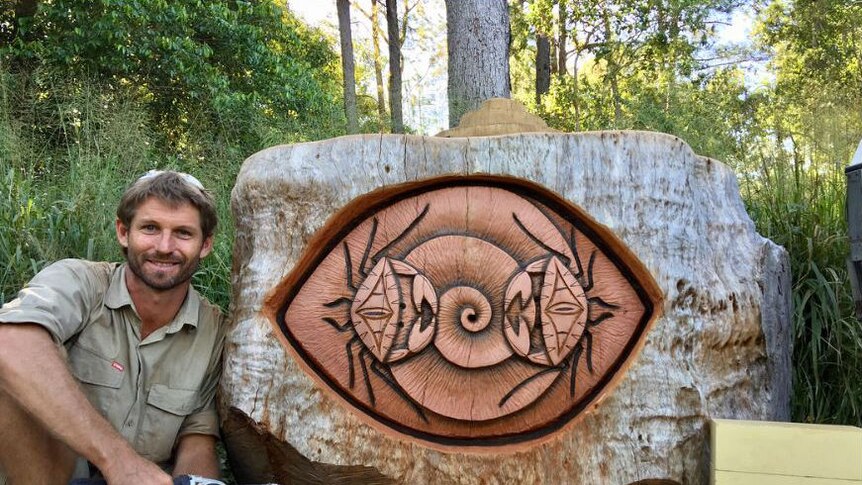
{"x":127,"y":467}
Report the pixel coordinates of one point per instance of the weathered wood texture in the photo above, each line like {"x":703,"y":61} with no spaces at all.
{"x":720,"y":350}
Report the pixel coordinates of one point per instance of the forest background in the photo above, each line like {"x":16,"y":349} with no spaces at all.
{"x":95,"y":92}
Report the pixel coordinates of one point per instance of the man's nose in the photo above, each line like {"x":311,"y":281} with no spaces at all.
{"x":165,"y":242}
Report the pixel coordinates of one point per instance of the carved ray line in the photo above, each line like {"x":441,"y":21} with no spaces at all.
{"x":588,"y":336}
{"x":576,"y":356}
{"x":601,"y":318}
{"x":524,"y":383}
{"x":340,"y":327}
{"x":371,"y":237}
{"x":362,"y":354}
{"x":351,"y":374}
{"x":573,"y":246}
{"x":589,"y":286}
{"x":340,"y":301}
{"x":378,"y":369}
{"x":602,"y":303}
{"x":349,"y":266}
{"x":403,"y":234}
{"x":536,"y":240}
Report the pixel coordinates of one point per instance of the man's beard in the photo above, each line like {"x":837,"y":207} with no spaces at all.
{"x":158,"y":280}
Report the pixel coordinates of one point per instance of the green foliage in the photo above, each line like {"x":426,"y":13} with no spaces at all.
{"x":220,"y":67}
{"x":638,"y":66}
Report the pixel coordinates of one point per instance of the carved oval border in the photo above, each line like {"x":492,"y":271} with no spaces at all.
{"x":360,"y":209}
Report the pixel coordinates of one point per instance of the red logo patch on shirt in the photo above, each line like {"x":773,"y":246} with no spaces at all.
{"x":117,"y":365}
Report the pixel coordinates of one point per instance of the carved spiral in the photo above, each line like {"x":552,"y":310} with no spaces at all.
{"x":470,"y":321}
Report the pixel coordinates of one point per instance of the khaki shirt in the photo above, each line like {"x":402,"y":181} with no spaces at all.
{"x":152,"y":391}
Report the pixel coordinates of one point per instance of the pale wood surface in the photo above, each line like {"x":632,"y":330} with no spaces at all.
{"x":740,"y":478}
{"x":720,"y":350}
{"x":793,"y":449}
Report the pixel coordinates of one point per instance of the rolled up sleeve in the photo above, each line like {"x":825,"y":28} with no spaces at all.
{"x":58,"y":298}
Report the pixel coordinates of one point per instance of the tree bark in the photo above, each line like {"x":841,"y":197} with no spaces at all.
{"x":26,"y":8}
{"x":347,"y":65}
{"x":543,"y":66}
{"x":395,"y":109}
{"x":22,"y":9}
{"x":378,"y":61}
{"x":563,"y":39}
{"x":613,"y":70}
{"x":478,"y":44}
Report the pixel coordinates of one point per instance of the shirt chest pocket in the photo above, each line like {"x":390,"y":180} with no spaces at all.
{"x":99,"y":378}
{"x":166,"y":409}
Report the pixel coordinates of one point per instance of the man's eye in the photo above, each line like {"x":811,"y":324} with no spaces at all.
{"x":184,"y":234}
{"x":148,"y":228}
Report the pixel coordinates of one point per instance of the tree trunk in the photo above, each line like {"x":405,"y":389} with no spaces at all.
{"x":378,"y":61}
{"x":613,"y":70}
{"x":563,"y":39}
{"x":26,"y":8}
{"x":478,"y":44}
{"x":22,"y":9}
{"x":347,"y":65}
{"x":576,"y":90}
{"x":395,"y":110}
{"x":301,"y":366}
{"x":543,"y":67}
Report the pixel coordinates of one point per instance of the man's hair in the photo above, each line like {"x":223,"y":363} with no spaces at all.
{"x":173,"y":188}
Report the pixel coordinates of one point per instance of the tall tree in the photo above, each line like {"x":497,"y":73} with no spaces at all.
{"x":540,"y":12}
{"x":347,"y":65}
{"x":378,"y":60}
{"x":562,"y":41}
{"x":12,"y":13}
{"x":478,"y":44}
{"x":397,"y":118}
{"x":543,"y":66}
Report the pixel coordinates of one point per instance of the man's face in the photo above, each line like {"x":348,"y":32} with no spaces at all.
{"x":164,"y":244}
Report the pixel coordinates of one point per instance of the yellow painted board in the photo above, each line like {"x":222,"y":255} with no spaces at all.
{"x":805,"y":450}
{"x":740,"y":478}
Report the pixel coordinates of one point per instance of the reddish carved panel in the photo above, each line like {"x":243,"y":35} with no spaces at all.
{"x":466,"y":311}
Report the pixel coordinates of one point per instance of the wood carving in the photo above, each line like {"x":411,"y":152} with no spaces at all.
{"x":466,"y":311}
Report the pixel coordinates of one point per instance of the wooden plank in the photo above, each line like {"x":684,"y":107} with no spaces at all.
{"x":740,"y":478}
{"x":789,"y":449}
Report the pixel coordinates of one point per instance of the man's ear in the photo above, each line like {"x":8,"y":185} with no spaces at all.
{"x":207,"y":247}
{"x":122,"y":233}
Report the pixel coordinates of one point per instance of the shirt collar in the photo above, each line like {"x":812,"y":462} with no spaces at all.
{"x":118,"y":296}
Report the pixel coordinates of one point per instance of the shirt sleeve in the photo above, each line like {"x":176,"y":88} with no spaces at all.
{"x":59,"y":298}
{"x":204,"y":420}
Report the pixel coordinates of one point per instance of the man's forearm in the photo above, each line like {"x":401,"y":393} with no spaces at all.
{"x":35,"y":375}
{"x":196,"y":455}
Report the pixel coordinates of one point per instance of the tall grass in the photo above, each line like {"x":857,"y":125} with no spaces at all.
{"x":803,"y":210}
{"x":66,"y":155}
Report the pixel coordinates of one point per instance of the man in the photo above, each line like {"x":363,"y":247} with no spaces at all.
{"x":117,"y":363}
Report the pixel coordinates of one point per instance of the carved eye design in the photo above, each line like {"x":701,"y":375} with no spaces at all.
{"x":376,"y":308}
{"x":465,"y":311}
{"x":564,"y":310}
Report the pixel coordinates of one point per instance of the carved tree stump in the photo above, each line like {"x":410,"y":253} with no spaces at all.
{"x":496,"y":327}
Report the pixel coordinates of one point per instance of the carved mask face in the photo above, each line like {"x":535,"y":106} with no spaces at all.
{"x":466,"y":311}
